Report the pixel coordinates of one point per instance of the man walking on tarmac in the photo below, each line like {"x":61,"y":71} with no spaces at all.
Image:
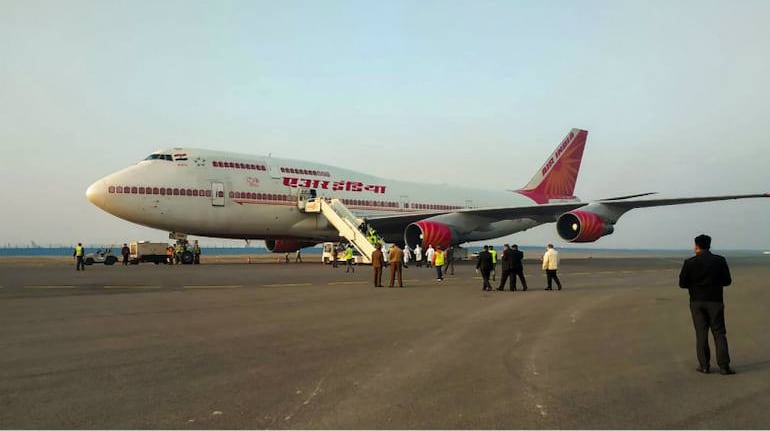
{"x":395,"y":257}
{"x":518,"y":267}
{"x":506,"y":263}
{"x":79,"y":253}
{"x":377,"y":261}
{"x":450,"y":261}
{"x":705,"y":275}
{"x":550,"y":266}
{"x":125,"y":252}
{"x":484,"y":265}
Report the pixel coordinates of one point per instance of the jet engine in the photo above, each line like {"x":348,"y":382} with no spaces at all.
{"x":286,"y":245}
{"x":583,"y":226}
{"x":427,"y":232}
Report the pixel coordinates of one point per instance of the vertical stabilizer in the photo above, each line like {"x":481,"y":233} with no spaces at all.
{"x":557,"y":177}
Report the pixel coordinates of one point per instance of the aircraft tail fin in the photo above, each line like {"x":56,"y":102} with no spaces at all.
{"x":557,"y":177}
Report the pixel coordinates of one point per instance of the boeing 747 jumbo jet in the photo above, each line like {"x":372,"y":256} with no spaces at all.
{"x":228,"y":195}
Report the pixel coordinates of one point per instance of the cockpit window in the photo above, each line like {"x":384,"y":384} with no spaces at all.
{"x":160,"y":157}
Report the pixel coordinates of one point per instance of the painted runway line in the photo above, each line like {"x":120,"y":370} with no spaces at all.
{"x":116,"y":286}
{"x":50,"y":287}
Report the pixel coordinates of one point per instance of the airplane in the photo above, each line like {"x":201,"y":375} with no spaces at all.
{"x":239,"y":196}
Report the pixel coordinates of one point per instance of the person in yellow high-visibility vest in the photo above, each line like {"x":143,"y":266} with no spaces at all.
{"x":79,"y":255}
{"x":349,"y":259}
{"x":438,"y":262}
{"x":493,"y":252}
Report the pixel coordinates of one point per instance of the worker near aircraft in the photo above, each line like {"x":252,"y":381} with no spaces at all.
{"x":349,"y":259}
{"x":395,"y":258}
{"x":438,"y":262}
{"x":377,"y":261}
{"x":125,"y":252}
{"x":196,"y":253}
{"x":79,"y":253}
{"x":493,"y":253}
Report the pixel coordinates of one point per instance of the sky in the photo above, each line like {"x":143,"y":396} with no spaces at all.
{"x":675,"y":95}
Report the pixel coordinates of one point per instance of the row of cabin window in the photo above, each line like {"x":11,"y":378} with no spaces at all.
{"x":434,"y":207}
{"x":306,"y":172}
{"x":163,"y":191}
{"x":265,"y":196}
{"x":237,"y":165}
{"x":360,"y":202}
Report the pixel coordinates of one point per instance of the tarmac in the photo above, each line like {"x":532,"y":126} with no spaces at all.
{"x":227,"y":346}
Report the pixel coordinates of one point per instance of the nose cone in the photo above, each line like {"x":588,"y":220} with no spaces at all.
{"x":97,"y":194}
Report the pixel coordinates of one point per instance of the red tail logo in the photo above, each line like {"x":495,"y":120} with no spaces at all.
{"x":557,"y":178}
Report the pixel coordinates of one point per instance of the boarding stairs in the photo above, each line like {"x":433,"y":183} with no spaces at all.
{"x":345,"y":222}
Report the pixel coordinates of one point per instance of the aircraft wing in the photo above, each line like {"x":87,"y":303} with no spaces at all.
{"x":548,"y":212}
{"x":647,"y":203}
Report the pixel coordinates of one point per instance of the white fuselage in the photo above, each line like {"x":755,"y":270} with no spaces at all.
{"x":219,"y":194}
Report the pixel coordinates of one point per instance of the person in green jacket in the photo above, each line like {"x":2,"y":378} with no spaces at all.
{"x":493,"y":252}
{"x":349,"y":259}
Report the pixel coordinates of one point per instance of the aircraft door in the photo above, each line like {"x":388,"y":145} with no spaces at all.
{"x":217,"y":194}
{"x":403,"y":202}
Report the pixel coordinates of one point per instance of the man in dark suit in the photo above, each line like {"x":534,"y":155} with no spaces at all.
{"x":517,"y":269}
{"x":705,"y":275}
{"x":484,"y":265}
{"x":506,"y":260}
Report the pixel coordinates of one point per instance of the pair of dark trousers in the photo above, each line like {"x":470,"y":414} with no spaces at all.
{"x":504,"y":277}
{"x":710,"y":315}
{"x":377,"y":276}
{"x":520,"y":273}
{"x":439,"y":276}
{"x":551,"y":276}
{"x":80,"y":264}
{"x":125,"y":259}
{"x":485,"y":277}
{"x":395,"y":268}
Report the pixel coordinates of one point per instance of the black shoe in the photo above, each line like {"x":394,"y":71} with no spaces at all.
{"x":703,"y":370}
{"x":524,"y":290}
{"x":548,"y":288}
{"x":500,"y":289}
{"x":559,"y":288}
{"x":513,"y":290}
{"x":726,"y":371}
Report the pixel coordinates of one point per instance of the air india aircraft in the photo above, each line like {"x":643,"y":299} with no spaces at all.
{"x":240,"y":196}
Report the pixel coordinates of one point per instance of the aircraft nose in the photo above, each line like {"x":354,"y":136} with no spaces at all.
{"x":97,"y":193}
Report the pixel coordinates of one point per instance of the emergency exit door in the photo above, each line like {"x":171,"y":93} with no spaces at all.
{"x":217,"y":194}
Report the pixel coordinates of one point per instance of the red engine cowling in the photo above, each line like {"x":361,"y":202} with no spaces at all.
{"x":582,"y":226}
{"x":426,"y":232}
{"x":286,"y":245}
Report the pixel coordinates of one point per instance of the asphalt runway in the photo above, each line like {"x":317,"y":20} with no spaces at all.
{"x":308,"y":346}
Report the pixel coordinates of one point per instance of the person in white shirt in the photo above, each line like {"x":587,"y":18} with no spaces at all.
{"x":429,"y":254}
{"x":418,"y":255}
{"x":550,"y":266}
{"x":407,"y":255}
